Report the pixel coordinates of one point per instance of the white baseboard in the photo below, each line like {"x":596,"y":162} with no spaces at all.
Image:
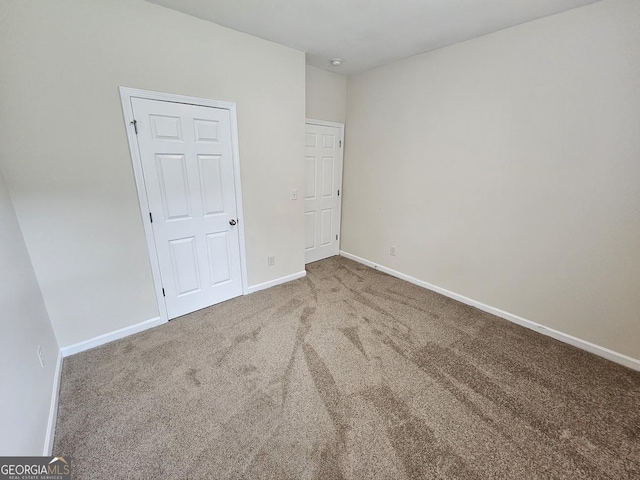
{"x":139,"y":327}
{"x":616,"y":357}
{"x":110,"y":337}
{"x":53,"y":409}
{"x":277,"y":281}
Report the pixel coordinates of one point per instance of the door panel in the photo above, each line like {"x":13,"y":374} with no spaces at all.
{"x":218,"y":254}
{"x":165,"y":127}
{"x":206,"y":130}
{"x":188,"y":173}
{"x":310,"y":175}
{"x":327,"y":177}
{"x":323,"y":173}
{"x":325,"y":227}
{"x":310,"y":230}
{"x":174,"y":186}
{"x":211,"y":178}
{"x":184,"y":260}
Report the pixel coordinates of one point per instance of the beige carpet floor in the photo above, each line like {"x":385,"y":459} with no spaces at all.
{"x":347,"y":373}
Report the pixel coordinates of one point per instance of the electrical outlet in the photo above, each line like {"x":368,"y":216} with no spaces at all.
{"x":294,"y":194}
{"x":271,"y":261}
{"x":40,"y":356}
{"x":392,"y":251}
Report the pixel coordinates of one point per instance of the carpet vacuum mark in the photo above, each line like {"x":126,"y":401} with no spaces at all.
{"x":347,"y":373}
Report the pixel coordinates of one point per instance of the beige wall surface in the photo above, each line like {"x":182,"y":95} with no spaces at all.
{"x":26,"y":386}
{"x":326,"y":95}
{"x":65,"y":154}
{"x":507,"y":169}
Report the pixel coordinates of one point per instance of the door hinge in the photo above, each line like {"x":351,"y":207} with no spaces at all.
{"x":135,"y":125}
{"x":150,"y":217}
{"x":340,"y":143}
{"x":163,"y":293}
{"x":336,"y":237}
{"x":338,"y":192}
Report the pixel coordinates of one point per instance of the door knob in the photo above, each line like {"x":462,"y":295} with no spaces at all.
{"x":232,"y":222}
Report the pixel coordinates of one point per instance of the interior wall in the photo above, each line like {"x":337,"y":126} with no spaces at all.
{"x":507,"y":169}
{"x":326,"y":95}
{"x":26,"y":386}
{"x":66,"y":158}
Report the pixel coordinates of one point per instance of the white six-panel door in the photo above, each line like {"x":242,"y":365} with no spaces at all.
{"x":323,"y":172}
{"x":186,"y":154}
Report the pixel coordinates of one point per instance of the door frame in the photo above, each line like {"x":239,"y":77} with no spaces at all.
{"x":126,"y":94}
{"x":325,"y":123}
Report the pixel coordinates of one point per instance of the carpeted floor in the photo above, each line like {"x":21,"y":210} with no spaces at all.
{"x":347,"y":373}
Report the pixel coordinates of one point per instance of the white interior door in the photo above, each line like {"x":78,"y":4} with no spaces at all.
{"x":187,"y":163}
{"x":323,"y":170}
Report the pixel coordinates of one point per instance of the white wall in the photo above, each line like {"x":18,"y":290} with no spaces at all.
{"x":66,"y":159}
{"x":26,"y":386}
{"x":326,"y":95}
{"x":507,"y":169}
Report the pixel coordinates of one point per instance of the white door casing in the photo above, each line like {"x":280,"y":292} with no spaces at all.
{"x":323,"y":185}
{"x":189,"y":176}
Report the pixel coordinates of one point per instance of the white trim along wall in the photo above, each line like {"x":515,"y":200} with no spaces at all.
{"x":277,"y":281}
{"x":603,"y":352}
{"x":154,"y":322}
{"x":53,"y":409}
